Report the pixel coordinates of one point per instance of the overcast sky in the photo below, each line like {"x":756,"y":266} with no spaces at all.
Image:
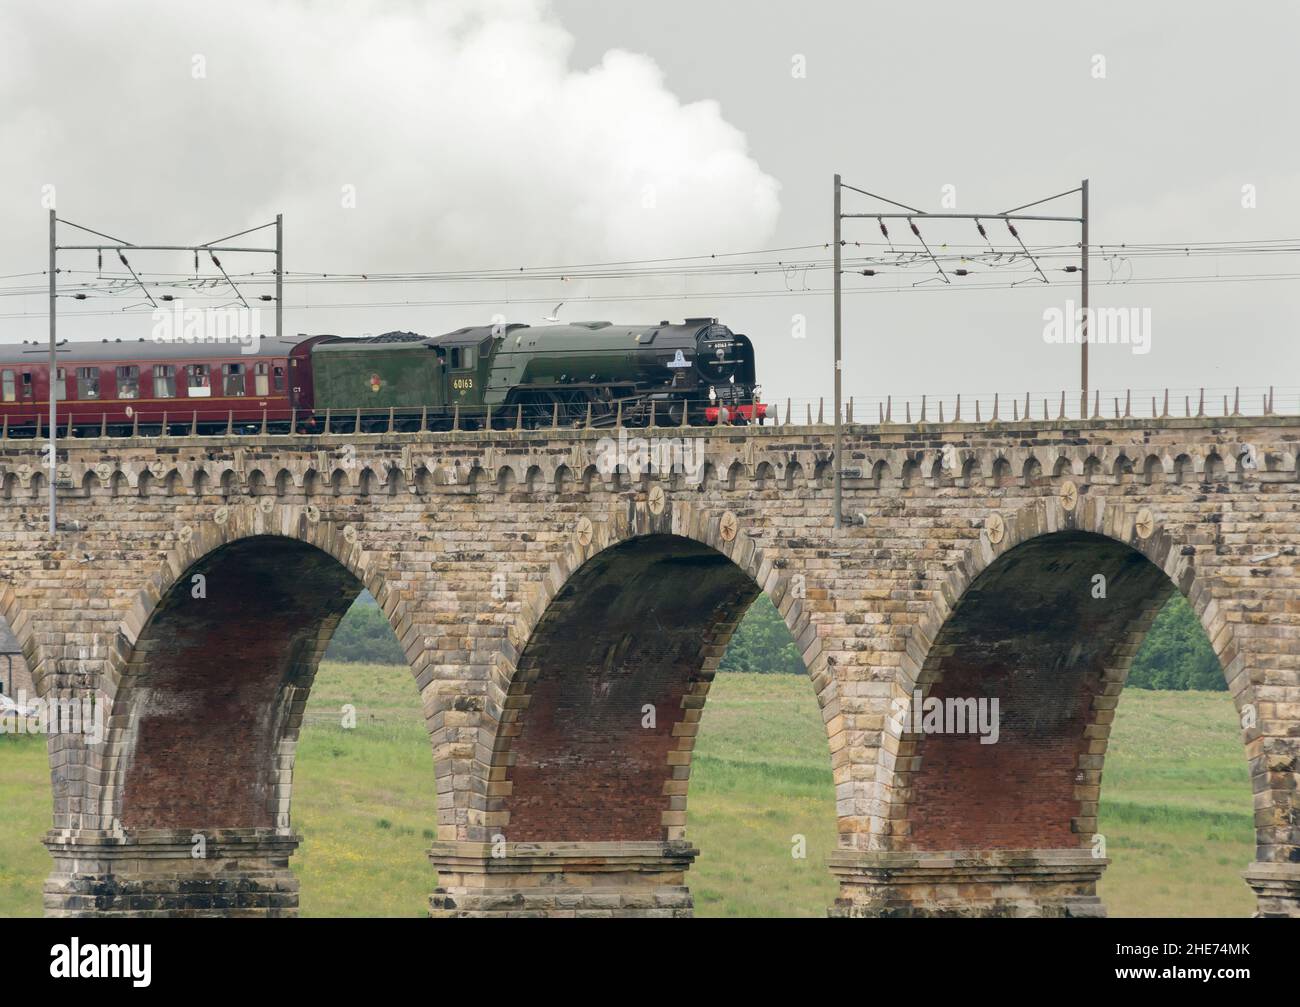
{"x":436,"y":136}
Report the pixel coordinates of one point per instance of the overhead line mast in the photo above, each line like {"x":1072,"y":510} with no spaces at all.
{"x":911,"y":215}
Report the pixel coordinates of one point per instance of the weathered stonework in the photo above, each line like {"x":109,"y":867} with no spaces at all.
{"x":545,"y":606}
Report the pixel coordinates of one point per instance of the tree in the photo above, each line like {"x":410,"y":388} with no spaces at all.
{"x":1176,"y":653}
{"x":762,"y":643}
{"x":364,"y":635}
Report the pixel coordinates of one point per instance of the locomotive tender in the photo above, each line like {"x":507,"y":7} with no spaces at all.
{"x":507,"y":375}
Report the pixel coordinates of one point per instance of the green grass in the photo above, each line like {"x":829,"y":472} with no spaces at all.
{"x":1176,"y":811}
{"x":25,"y":810}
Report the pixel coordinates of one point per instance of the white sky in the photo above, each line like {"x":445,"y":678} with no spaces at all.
{"x":523,"y":134}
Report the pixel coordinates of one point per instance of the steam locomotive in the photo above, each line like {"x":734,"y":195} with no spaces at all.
{"x":498,"y":376}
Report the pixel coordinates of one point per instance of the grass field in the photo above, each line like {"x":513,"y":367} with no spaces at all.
{"x":1176,"y":808}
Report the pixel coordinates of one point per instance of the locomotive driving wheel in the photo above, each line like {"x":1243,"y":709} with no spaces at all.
{"x":544,"y":407}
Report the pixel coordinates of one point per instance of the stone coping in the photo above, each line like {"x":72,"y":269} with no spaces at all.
{"x":169,"y":842}
{"x":939,"y":862}
{"x":473,"y":857}
{"x":768,"y":430}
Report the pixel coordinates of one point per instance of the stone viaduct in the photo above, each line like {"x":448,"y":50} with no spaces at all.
{"x":545,"y":602}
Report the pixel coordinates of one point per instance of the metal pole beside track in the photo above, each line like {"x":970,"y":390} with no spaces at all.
{"x":1083,"y":332}
{"x":839,"y":432}
{"x":54,"y":425}
{"x":279,"y":275}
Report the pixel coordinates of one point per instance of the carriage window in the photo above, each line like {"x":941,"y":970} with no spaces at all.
{"x":455,"y":357}
{"x":87,"y":382}
{"x":198,"y":383}
{"x":164,"y":381}
{"x":261,"y":379}
{"x":27,"y":384}
{"x":128,"y":382}
{"x":232,"y":379}
{"x":10,"y":393}
{"x":60,"y":384}
{"x":279,"y":379}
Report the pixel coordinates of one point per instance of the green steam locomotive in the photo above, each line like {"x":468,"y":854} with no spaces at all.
{"x":576,"y":374}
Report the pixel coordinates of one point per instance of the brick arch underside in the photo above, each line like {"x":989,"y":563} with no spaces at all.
{"x":643,"y":623}
{"x":215,"y":685}
{"x":1029,"y":632}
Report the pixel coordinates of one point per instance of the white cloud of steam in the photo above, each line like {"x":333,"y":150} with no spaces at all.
{"x":469,"y":138}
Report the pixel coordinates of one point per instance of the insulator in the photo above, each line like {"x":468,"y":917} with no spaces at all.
{"x":1012,"y":228}
{"x":962,"y":272}
{"x":1071,"y":269}
{"x":883,"y":229}
{"x":868,"y":272}
{"x":983,"y":233}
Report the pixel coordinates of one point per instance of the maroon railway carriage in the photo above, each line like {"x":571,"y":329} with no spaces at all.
{"x":120,"y":387}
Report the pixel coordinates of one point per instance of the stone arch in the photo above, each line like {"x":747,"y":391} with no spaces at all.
{"x":563,"y":480}
{"x":794,"y":475}
{"x":880,"y":474}
{"x":9,"y":485}
{"x":764,"y":476}
{"x":202,"y":482}
{"x":283,"y":483}
{"x":144,"y":483}
{"x":1153,"y":470}
{"x":229,"y":483}
{"x":1122,"y":470}
{"x":506,"y":479}
{"x":256,"y":483}
{"x":1002,"y":472}
{"x":174,"y":483}
{"x":1184,"y":469}
{"x":971,"y":474}
{"x":311,"y":483}
{"x":1216,"y":471}
{"x":911,"y":473}
{"x":34,"y":652}
{"x":203,"y":730}
{"x":1062,"y":468}
{"x":90,"y":484}
{"x":735,"y":475}
{"x":36,"y":486}
{"x":1093,"y":469}
{"x":1019,"y":620}
{"x":1032,"y":472}
{"x":533,"y":480}
{"x":561,"y":763}
{"x":118,"y":483}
